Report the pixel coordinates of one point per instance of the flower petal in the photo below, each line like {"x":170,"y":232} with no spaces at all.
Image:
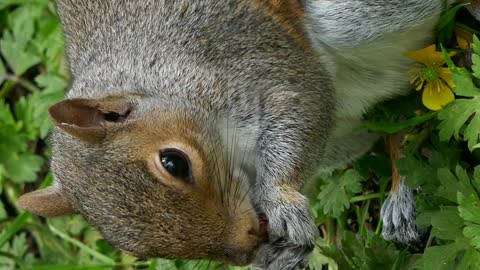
{"x":428,"y":56}
{"x":464,"y":38}
{"x":436,"y":95}
{"x":446,"y":76}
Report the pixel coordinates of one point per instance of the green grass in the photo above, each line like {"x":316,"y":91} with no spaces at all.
{"x":441,"y":159}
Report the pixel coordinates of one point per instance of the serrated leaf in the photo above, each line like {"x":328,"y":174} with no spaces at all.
{"x":464,"y":85}
{"x":439,"y":257}
{"x":51,"y":83}
{"x":471,"y":260}
{"x":18,"y":58}
{"x":476,"y":65}
{"x":476,"y":178}
{"x":448,"y":188}
{"x":472,"y":231}
{"x":335,"y":195}
{"x":454,"y":184}
{"x":32,"y":110}
{"x":23,"y":167}
{"x":456,"y":115}
{"x":476,"y":45}
{"x":469,"y":210}
{"x":22,"y":24}
{"x":462,"y":79}
{"x":446,"y":223}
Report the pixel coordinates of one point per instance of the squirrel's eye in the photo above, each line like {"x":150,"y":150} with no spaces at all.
{"x":176,"y":163}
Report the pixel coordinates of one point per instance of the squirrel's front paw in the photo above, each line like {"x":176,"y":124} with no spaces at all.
{"x":289,"y":218}
{"x":281,"y":255}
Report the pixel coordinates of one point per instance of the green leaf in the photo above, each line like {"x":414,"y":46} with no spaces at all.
{"x":70,"y":267}
{"x":476,"y":178}
{"x":11,"y":230}
{"x":471,"y":260}
{"x":3,"y":72}
{"x":476,"y":45}
{"x":462,"y":79}
{"x":452,"y":185}
{"x":446,"y":223}
{"x":439,"y":257}
{"x":99,"y":256}
{"x":456,"y":115}
{"x":476,"y":65}
{"x":19,"y":245}
{"x":417,"y":173}
{"x":464,"y":85}
{"x":18,"y":57}
{"x":446,"y":24}
{"x":6,"y":3}
{"x":394,"y":127}
{"x":469,"y":209}
{"x":32,"y":110}
{"x":23,"y":167}
{"x":335,"y":196}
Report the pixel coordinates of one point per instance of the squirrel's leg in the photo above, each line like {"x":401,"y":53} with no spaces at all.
{"x":348,"y":142}
{"x":291,"y":142}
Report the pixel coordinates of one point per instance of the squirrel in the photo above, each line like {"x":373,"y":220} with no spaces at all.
{"x":190,"y":127}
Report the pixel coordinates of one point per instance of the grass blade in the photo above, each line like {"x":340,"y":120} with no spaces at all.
{"x":99,"y":256}
{"x":16,"y":226}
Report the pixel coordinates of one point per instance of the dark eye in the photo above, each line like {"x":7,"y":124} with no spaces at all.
{"x":176,"y":163}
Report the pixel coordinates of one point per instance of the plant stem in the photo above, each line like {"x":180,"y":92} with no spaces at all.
{"x":25,"y":83}
{"x":16,"y":226}
{"x":330,"y":231}
{"x":99,"y":256}
{"x":366,"y":197}
{"x":7,"y":87}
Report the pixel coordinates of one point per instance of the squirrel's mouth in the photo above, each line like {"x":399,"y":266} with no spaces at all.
{"x":263,"y":226}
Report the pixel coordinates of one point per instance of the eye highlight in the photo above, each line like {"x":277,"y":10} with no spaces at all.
{"x":176,"y":163}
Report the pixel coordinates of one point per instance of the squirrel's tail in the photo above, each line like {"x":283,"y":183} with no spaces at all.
{"x":398,"y":211}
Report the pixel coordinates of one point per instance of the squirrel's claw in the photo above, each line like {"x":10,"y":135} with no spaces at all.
{"x":290,"y":220}
{"x":282,"y":255}
{"x":292,"y":233}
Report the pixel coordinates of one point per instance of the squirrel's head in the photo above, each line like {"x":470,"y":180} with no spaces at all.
{"x":155,"y":182}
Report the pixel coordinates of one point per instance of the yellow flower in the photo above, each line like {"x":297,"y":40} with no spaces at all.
{"x":430,"y":75}
{"x":464,"y":38}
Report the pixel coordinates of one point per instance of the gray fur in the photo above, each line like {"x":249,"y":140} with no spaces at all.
{"x":398,"y":216}
{"x":210,"y":61}
{"x":282,"y":255}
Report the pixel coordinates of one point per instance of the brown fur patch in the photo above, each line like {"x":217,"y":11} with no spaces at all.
{"x":289,"y":14}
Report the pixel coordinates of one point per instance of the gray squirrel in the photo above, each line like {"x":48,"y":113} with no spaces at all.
{"x":190,"y":126}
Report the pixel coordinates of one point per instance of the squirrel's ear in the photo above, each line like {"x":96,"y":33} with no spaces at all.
{"x":48,"y":202}
{"x":86,"y":118}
